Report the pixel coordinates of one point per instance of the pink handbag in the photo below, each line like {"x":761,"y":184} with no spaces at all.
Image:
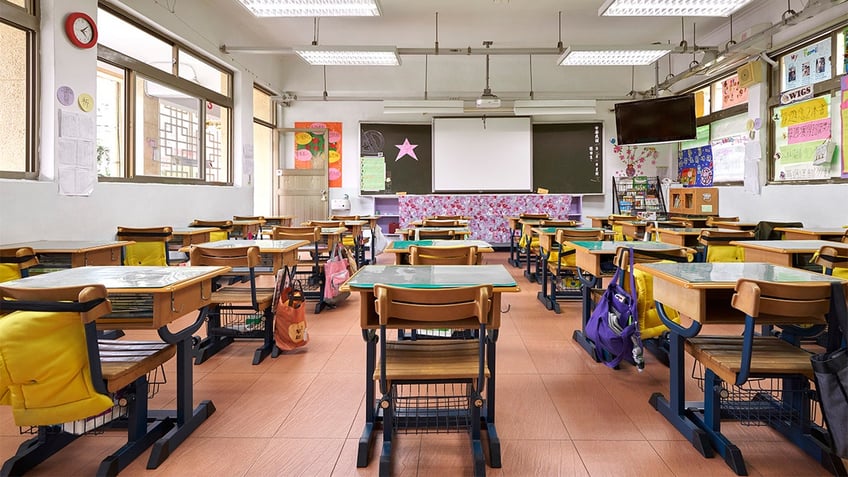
{"x":336,"y":272}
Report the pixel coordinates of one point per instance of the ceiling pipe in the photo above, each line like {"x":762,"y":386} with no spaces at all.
{"x":440,"y":51}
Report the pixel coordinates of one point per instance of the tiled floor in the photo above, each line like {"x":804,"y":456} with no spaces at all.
{"x":558,"y":412}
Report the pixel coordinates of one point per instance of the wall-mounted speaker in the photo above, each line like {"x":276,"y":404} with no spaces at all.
{"x":750,"y":73}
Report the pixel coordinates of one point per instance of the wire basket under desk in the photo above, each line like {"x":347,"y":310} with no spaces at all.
{"x":432,"y":408}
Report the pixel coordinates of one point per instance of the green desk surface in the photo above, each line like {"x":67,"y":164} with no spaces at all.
{"x":432,"y":276}
{"x":610,"y":246}
{"x":405,"y":244}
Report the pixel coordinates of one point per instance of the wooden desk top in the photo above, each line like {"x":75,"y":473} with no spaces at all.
{"x":432,"y":276}
{"x":813,"y":231}
{"x":734,"y":225}
{"x":402,"y":246}
{"x":270,"y":246}
{"x":786,"y":246}
{"x":194,"y":230}
{"x":608,"y":247}
{"x":142,"y":297}
{"x":68,"y":246}
{"x":702,"y":290}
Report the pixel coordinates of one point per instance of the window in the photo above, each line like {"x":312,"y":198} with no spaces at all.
{"x":263,"y":151}
{"x":18,"y":99}
{"x":721,"y":108}
{"x":180,"y":104}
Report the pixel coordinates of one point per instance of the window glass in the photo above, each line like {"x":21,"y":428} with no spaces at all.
{"x":111,"y":92}
{"x":842,"y":50}
{"x":20,"y":3}
{"x":198,"y":71}
{"x":806,"y":66}
{"x":727,"y":144}
{"x":263,"y":106}
{"x":167,"y":132}
{"x":13,"y":98}
{"x":217,"y":142}
{"x":121,"y":35}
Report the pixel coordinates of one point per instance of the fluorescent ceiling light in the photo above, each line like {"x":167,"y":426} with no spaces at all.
{"x":423,"y":107}
{"x":613,"y":55}
{"x":670,"y":8}
{"x":349,"y":55}
{"x":312,"y":8}
{"x":554,"y":106}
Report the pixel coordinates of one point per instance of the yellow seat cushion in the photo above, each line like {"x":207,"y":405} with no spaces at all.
{"x":347,"y":241}
{"x":840,"y":272}
{"x":650,"y":325}
{"x":725,"y":253}
{"x":9,"y":271}
{"x":569,"y":258}
{"x":44,"y":369}
{"x":146,"y":254}
{"x":219,"y":235}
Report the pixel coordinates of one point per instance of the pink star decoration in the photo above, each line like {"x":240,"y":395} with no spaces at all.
{"x":406,"y":149}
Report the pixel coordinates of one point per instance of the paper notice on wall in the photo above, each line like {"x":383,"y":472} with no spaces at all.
{"x":77,"y":166}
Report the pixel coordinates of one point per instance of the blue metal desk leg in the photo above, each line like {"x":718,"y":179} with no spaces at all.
{"x":513,"y":251}
{"x":547,"y":300}
{"x":187,"y":419}
{"x":587,"y":282}
{"x":675,"y":409}
{"x":367,"y":437}
{"x":489,"y":411}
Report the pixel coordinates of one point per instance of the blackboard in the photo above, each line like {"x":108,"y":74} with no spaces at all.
{"x":411,"y":171}
{"x":568,"y":158}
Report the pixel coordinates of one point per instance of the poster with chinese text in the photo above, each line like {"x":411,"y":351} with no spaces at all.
{"x":310,"y":146}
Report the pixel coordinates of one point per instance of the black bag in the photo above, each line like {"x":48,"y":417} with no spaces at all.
{"x":831,"y":373}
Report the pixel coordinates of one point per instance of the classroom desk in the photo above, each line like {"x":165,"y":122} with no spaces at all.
{"x":401,"y":247}
{"x":278,"y":220}
{"x":531,"y":231}
{"x":426,"y":276}
{"x":594,"y":262}
{"x":247,"y":229}
{"x":461,"y":231}
{"x":691,"y":222}
{"x":635,"y":229}
{"x":183,"y":236}
{"x":734,"y":225}
{"x":281,"y":252}
{"x":58,"y":254}
{"x":780,"y":252}
{"x":547,"y":242}
{"x":419,"y":223}
{"x":602,"y":221}
{"x":702,"y":292}
{"x":151,"y":298}
{"x":834,"y":234}
{"x":682,"y":236}
{"x":517,"y":224}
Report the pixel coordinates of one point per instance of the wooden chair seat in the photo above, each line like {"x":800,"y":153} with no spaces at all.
{"x":122,"y":362}
{"x":771,"y":356}
{"x":428,"y":360}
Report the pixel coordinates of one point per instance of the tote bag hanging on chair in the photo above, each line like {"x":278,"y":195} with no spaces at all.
{"x":831,"y":373}
{"x":613,"y":325}
{"x":289,"y":313}
{"x":336,"y":271}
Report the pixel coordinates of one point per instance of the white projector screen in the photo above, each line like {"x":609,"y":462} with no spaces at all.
{"x":479,"y":155}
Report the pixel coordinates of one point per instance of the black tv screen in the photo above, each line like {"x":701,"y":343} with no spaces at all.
{"x":656,"y":120}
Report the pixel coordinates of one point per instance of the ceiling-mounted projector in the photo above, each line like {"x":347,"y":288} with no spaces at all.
{"x":488,"y":100}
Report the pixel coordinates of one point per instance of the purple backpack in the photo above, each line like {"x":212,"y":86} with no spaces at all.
{"x":613,"y":326}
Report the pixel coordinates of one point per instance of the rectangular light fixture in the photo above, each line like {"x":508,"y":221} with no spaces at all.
{"x":349,"y":55}
{"x":312,"y":8}
{"x":577,"y":55}
{"x":670,"y":8}
{"x":423,"y":107}
{"x":554,"y":106}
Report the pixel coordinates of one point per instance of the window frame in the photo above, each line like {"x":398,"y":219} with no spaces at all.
{"x":134,"y":69}
{"x":28,"y":20}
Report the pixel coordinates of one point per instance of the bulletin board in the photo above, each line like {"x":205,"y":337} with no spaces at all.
{"x":395,"y":158}
{"x":803,"y":140}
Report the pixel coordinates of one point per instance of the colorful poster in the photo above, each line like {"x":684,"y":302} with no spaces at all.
{"x":372,"y":173}
{"x":731,"y":93}
{"x":309,"y":147}
{"x":695,"y":166}
{"x":806,"y":66}
{"x":728,"y":156}
{"x":843,"y":109}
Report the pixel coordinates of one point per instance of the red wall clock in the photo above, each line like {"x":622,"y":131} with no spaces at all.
{"x":81,"y":29}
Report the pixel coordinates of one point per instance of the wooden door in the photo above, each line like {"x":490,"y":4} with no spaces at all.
{"x":300,"y":192}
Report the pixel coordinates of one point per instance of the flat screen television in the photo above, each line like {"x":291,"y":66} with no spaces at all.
{"x":656,"y":120}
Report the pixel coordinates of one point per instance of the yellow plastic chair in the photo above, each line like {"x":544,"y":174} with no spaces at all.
{"x":150,"y":247}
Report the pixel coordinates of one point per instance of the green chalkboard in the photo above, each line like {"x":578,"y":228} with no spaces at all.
{"x":568,"y":158}
{"x":407,"y":152}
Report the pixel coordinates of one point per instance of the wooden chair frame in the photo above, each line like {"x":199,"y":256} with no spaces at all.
{"x":23,"y":258}
{"x":314,"y":275}
{"x":441,"y":223}
{"x":433,"y":361}
{"x":231,"y":300}
{"x":460,"y":255}
{"x":114,"y":366}
{"x":436,"y":234}
{"x":145,"y":234}
{"x":708,"y":238}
